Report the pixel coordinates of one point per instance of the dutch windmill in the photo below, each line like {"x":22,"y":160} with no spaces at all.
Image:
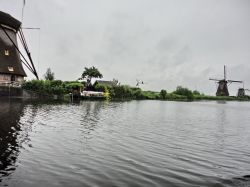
{"x":11,"y":57}
{"x":242,"y":91}
{"x":222,"y":89}
{"x":138,"y":82}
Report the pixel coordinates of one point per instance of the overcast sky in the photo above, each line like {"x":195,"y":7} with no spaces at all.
{"x":165,"y":43}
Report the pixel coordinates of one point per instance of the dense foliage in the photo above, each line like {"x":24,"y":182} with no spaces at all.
{"x":126,"y":92}
{"x":184,"y":92}
{"x":54,"y":87}
{"x":74,"y":85}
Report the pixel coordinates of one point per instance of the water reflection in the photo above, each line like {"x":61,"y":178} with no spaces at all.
{"x":92,"y":114}
{"x":90,"y":117}
{"x":221,"y":102}
{"x":137,"y":143}
{"x":10,"y":114}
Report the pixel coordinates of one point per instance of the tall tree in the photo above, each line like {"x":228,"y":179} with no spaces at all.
{"x":49,"y":75}
{"x":90,"y":73}
{"x":163,"y":94}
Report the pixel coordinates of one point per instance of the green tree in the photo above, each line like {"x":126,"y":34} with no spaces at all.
{"x":185,"y":92}
{"x":90,"y":73}
{"x":49,"y":75}
{"x":163,"y":94}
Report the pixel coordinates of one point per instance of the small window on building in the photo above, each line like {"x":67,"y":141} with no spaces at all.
{"x":6,"y":52}
{"x":10,"y":68}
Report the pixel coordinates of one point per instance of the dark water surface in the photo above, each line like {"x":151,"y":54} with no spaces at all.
{"x":137,"y":143}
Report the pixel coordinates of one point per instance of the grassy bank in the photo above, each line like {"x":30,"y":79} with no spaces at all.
{"x":123,"y":92}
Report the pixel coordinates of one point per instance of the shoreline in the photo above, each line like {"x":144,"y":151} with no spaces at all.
{"x":67,"y":98}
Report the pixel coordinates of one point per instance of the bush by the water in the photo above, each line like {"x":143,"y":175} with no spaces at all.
{"x":73,"y":85}
{"x":184,"y":92}
{"x":56,"y":87}
{"x":126,"y":92}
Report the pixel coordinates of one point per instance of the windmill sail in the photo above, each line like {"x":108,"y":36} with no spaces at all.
{"x":23,"y":9}
{"x":234,"y":81}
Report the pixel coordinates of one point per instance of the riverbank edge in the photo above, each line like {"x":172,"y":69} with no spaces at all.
{"x":11,"y":92}
{"x":68,"y":98}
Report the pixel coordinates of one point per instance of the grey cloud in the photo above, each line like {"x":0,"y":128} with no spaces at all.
{"x":164,"y":42}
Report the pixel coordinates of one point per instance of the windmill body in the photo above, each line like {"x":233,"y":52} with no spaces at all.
{"x":242,"y":92}
{"x":11,"y":69}
{"x":222,"y":89}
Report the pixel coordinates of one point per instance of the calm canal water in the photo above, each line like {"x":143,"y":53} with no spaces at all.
{"x":136,"y":143}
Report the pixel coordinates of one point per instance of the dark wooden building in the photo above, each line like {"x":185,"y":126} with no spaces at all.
{"x":11,"y":69}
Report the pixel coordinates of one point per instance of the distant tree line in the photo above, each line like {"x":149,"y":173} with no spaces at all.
{"x":115,"y":91}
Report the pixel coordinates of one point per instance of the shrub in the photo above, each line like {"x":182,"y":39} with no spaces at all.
{"x":100,"y":87}
{"x":185,"y":92}
{"x":45,"y":86}
{"x":69,"y":86}
{"x":151,"y":95}
{"x":122,"y":92}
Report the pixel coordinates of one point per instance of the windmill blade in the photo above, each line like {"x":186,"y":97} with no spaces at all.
{"x":235,"y":81}
{"x":225,"y":72}
{"x":247,"y":90}
{"x":137,"y":82}
{"x":214,"y":79}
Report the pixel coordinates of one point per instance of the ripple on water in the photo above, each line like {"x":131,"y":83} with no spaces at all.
{"x":138,"y":143}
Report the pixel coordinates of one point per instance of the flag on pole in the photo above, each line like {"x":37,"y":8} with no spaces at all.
{"x":23,"y":2}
